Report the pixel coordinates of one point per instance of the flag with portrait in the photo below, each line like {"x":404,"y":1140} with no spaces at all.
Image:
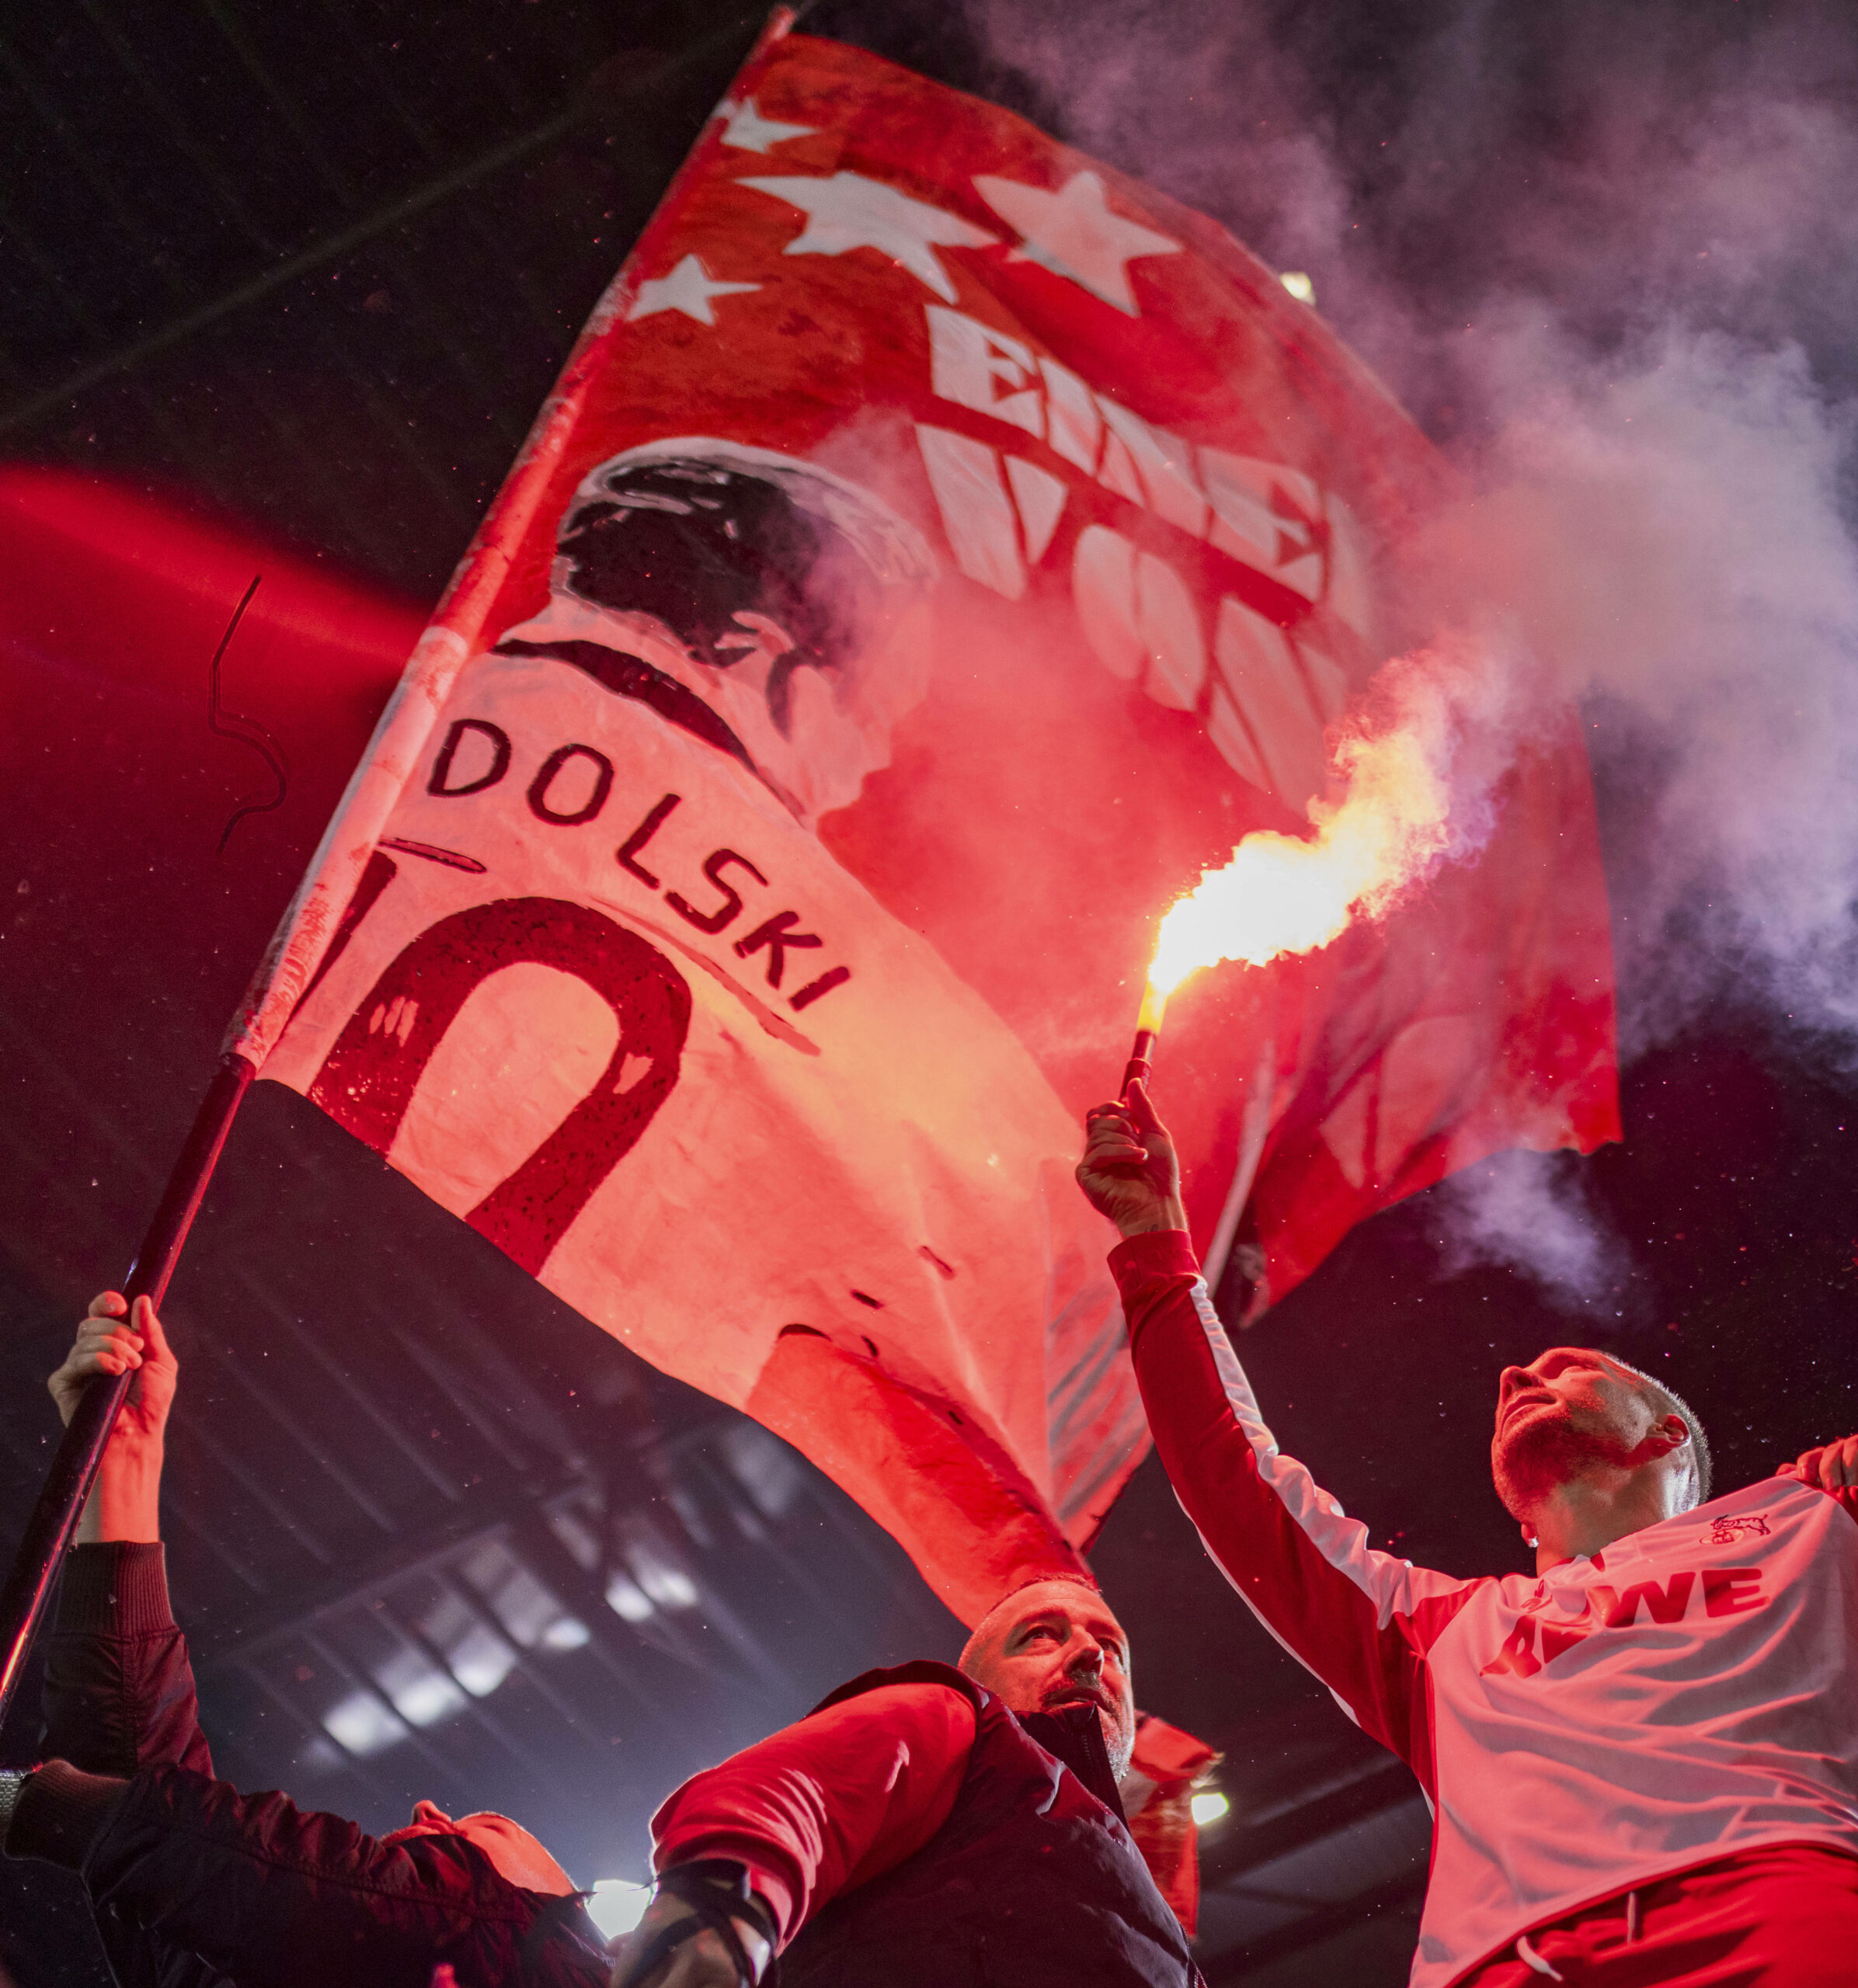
{"x":938,"y":547}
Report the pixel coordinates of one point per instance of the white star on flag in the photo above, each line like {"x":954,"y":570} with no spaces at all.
{"x":749,"y":131}
{"x":1073,"y":233}
{"x":849,"y":211}
{"x":688,"y":288}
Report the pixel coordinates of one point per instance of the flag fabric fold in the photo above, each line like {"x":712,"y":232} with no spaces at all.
{"x":938,"y":547}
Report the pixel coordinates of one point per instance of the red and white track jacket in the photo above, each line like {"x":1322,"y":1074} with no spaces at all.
{"x":1685,"y":1694}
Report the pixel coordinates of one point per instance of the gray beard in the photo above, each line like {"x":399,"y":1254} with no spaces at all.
{"x":1118,"y":1739}
{"x":1118,"y":1743}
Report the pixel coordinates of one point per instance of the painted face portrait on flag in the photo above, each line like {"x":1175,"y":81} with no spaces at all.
{"x":757,"y":600}
{"x":601,"y":915}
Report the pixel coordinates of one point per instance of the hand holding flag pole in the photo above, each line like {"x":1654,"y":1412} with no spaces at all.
{"x":316,"y":911}
{"x":73,"y":1469}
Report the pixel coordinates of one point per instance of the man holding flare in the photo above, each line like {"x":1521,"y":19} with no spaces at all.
{"x":1642,"y":1762}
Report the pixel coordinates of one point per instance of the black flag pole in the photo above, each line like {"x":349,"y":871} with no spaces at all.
{"x":74,"y":1467}
{"x":398,"y":738}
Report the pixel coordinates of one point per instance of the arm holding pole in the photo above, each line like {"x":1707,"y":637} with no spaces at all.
{"x":61,"y":1502}
{"x":117,"y":1339}
{"x":119,"y":1693}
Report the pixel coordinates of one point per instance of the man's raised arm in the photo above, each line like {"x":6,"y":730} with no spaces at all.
{"x":1361,"y":1620}
{"x":119,"y":1689}
{"x":124,"y":1506}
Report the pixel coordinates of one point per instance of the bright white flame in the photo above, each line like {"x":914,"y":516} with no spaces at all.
{"x":1299,"y":286}
{"x":1209,"y":1808}
{"x":1282,"y":894}
{"x":617,"y":1905}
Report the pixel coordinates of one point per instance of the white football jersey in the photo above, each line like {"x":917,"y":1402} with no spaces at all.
{"x":1685,"y":1694}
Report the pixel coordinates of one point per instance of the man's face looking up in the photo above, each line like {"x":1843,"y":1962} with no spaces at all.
{"x":1054,"y":1645}
{"x":1568,"y":1411}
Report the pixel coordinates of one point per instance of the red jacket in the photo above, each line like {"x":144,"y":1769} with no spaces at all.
{"x":912,"y":1833}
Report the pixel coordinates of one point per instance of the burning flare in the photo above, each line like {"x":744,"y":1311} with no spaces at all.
{"x":1280,"y":894}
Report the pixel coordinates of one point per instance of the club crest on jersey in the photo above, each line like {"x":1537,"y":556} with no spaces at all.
{"x":1726,"y":1531}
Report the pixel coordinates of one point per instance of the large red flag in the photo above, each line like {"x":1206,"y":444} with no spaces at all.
{"x":937,"y":549}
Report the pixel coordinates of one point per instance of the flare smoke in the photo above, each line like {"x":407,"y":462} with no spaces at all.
{"x":1608,"y":257}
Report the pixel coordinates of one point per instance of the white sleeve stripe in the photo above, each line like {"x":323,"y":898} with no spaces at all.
{"x":1265,"y":1620}
{"x":1394,"y":1587}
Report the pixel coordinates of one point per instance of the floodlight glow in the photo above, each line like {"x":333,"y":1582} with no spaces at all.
{"x":618,"y":1904}
{"x":1209,"y":1808}
{"x":361,"y":1724}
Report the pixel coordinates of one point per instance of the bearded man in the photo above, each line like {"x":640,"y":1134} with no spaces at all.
{"x":1643,"y":1763}
{"x":925,"y":1827}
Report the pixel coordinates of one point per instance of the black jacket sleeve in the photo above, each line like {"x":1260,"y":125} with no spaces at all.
{"x":119,"y":1696}
{"x":195,"y":1885}
{"x":277,"y":1896}
{"x":119,"y":1689}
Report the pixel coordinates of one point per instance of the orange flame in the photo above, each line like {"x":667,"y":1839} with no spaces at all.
{"x":1282,"y":894}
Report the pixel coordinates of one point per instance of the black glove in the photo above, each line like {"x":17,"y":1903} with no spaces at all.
{"x":56,"y":1811}
{"x":11,"y":1781}
{"x":716,"y":1890}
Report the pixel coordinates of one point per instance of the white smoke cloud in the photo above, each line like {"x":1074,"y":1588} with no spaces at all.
{"x":1610,"y":257}
{"x":1531,"y":1210}
{"x":1674,"y":544}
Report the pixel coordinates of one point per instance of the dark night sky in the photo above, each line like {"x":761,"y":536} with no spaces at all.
{"x":1430,"y":165}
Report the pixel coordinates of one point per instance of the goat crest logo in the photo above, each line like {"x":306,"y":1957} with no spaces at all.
{"x":1727,"y":1531}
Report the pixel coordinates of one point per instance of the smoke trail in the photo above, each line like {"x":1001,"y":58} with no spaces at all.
{"x":1531,"y":1211}
{"x":1608,"y":257}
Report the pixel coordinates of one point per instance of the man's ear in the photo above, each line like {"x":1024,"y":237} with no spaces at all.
{"x":1673,"y":1431}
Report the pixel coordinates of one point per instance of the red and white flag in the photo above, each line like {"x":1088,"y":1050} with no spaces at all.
{"x":938,"y":547}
